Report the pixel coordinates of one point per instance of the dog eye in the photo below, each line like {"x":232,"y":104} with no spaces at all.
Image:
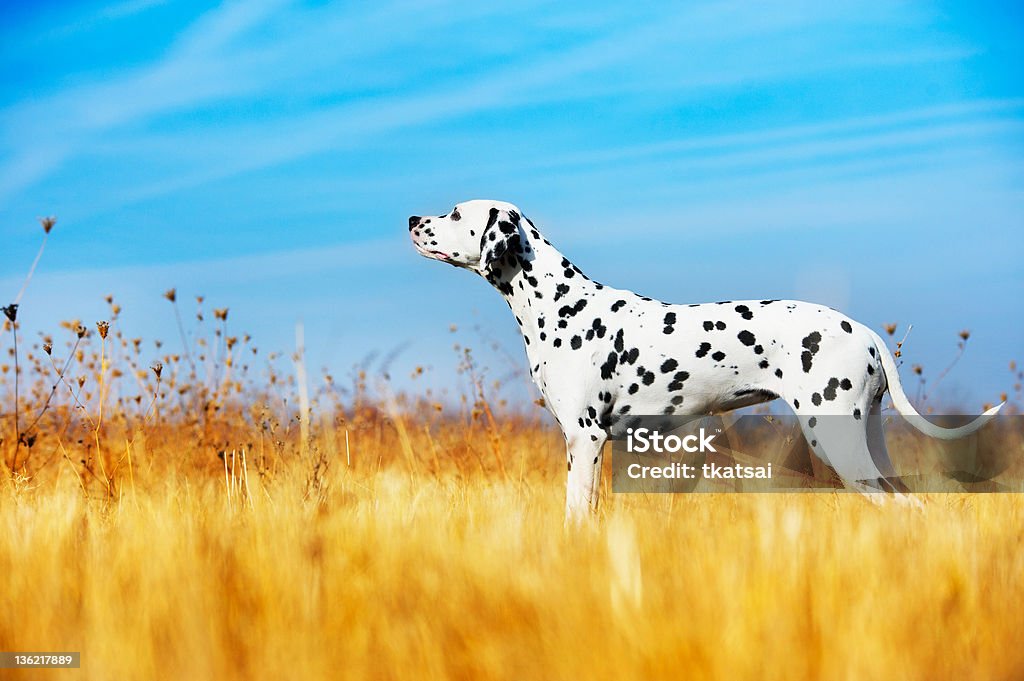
{"x":455,"y":215}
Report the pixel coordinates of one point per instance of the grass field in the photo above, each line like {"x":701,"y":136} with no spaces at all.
{"x":387,"y":568}
{"x":417,"y":544}
{"x":210,"y":516}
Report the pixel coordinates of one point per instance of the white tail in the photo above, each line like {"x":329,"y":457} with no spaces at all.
{"x":906,"y":409}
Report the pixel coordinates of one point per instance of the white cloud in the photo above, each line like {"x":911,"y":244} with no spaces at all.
{"x":217,"y":59}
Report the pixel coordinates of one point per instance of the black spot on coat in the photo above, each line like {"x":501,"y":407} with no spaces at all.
{"x":830,"y":390}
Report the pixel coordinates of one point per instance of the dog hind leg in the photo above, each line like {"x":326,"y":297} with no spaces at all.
{"x":841,"y":441}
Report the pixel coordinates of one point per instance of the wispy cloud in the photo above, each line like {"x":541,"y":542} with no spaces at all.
{"x":860,"y":134}
{"x":189,"y":75}
{"x":209,"y":63}
{"x":197,"y":71}
{"x":111,"y":12}
{"x":256,"y":126}
{"x":241,"y":269}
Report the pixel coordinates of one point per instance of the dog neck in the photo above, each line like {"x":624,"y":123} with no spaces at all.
{"x":540,"y":285}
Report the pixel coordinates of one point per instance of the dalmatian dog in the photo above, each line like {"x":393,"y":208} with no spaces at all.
{"x":601,"y":356}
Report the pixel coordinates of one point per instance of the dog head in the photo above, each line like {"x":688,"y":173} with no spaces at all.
{"x":475,"y":234}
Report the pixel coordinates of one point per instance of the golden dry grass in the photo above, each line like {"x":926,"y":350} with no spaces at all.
{"x":390,"y":569}
{"x":210,"y":518}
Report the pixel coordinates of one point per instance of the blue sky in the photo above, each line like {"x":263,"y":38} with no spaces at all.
{"x":266,"y":155}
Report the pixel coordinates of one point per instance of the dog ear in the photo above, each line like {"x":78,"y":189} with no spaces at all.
{"x":500,"y":236}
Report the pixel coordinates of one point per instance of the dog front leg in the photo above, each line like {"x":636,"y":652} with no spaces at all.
{"x":584,"y":452}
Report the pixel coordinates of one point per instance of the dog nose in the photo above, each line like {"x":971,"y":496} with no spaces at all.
{"x":413,"y":221}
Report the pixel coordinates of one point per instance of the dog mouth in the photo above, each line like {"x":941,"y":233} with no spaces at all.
{"x":431,"y":253}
